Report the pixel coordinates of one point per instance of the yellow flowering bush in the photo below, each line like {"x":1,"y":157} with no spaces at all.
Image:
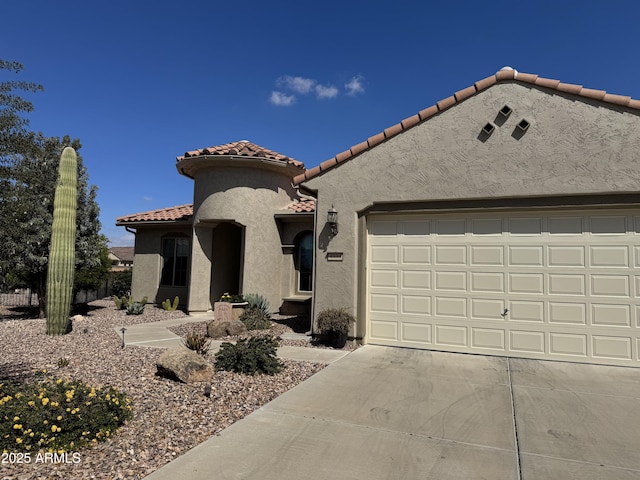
{"x":59,"y":415}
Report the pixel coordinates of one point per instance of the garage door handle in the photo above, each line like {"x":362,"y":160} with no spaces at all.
{"x":504,"y":314}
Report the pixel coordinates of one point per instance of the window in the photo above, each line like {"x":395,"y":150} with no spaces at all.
{"x":175,"y":262}
{"x":304,"y":261}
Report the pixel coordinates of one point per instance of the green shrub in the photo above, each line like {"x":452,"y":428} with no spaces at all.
{"x":258,"y":301}
{"x":63,"y":362}
{"x":58,"y":415}
{"x":167,"y":305}
{"x":197,"y":342}
{"x":255,"y":319}
{"x":250,"y":356}
{"x":121,"y":285}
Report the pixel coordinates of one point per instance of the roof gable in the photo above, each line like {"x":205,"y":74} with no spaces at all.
{"x":504,"y":75}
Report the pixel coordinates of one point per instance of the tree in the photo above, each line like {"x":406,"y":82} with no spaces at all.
{"x":28,"y":173}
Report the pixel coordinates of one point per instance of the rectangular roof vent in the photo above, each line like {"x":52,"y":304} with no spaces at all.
{"x":505,"y":111}
{"x":523,"y":125}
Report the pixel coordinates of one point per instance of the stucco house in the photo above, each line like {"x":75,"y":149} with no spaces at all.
{"x":503,"y":220}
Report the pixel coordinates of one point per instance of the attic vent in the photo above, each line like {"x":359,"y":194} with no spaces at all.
{"x":488,"y":128}
{"x":523,"y":125}
{"x":505,"y":111}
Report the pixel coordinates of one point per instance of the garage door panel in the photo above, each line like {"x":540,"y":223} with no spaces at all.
{"x":487,"y":308}
{"x":612,"y":347}
{"x":572,"y":284}
{"x":451,"y":280}
{"x":487,"y":255}
{"x":416,"y":304}
{"x":532,"y":283}
{"x":487,"y":282}
{"x":569,"y":344}
{"x":530,"y":226}
{"x":487,"y":226}
{"x":524,"y":341}
{"x":416,"y":279}
{"x":526,"y":311}
{"x":611,"y":315}
{"x":384,"y":278}
{"x":416,"y":254}
{"x":417,"y":333}
{"x":451,"y":255}
{"x":566,"y":256}
{"x":554,"y":285}
{"x":611,"y":256}
{"x":563,"y":226}
{"x":610,"y":285}
{"x":451,"y":307}
{"x":526,"y":256}
{"x":608,"y":225}
{"x":451,"y":335}
{"x":567,"y":313}
{"x":488,"y":338}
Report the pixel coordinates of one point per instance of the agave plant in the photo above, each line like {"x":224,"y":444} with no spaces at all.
{"x":258,"y":301}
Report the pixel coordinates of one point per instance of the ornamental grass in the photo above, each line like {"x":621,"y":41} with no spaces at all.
{"x":58,"y":415}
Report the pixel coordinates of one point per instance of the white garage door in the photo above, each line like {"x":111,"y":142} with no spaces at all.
{"x":563,"y":285}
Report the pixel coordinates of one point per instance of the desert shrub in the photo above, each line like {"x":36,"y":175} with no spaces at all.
{"x":227,"y":297}
{"x":121,"y":284}
{"x":258,"y":301}
{"x":58,"y":415}
{"x":255,"y":319}
{"x":122,"y":302}
{"x":250,"y":356}
{"x":197,"y":342}
{"x":335,"y":320}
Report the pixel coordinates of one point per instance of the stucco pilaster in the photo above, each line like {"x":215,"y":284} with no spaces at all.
{"x":200,"y":279}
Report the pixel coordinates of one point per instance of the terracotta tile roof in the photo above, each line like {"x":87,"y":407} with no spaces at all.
{"x":185,"y":212}
{"x":171,"y":214}
{"x":303,"y":206}
{"x":125,"y":254}
{"x":503,"y":75}
{"x":243,"y":148}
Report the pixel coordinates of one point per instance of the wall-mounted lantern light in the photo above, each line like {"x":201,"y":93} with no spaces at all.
{"x":332,"y":220}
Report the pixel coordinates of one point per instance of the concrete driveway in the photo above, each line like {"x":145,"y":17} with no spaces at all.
{"x":391,"y":413}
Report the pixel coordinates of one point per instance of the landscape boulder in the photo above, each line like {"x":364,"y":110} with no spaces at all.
{"x":217,"y":329}
{"x":184,"y":365}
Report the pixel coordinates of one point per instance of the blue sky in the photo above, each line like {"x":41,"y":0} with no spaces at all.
{"x":140,"y":83}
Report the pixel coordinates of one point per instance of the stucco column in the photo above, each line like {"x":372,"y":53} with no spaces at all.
{"x":200,"y":278}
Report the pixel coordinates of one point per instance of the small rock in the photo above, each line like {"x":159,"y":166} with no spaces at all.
{"x":77,"y":318}
{"x":227,"y":328}
{"x":185,"y":365}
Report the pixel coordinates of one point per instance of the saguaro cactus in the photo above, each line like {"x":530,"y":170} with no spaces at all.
{"x":63,"y":245}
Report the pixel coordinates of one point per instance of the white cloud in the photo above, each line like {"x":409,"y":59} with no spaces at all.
{"x":297,"y":84}
{"x":328,"y":91}
{"x":148,"y":199}
{"x":282,"y":99}
{"x":354,"y":86}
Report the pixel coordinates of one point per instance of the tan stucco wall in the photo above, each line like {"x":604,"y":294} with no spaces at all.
{"x":572,"y":147}
{"x":249,"y":197}
{"x":147,"y":265}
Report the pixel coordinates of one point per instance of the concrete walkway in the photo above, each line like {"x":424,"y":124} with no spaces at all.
{"x":391,"y":413}
{"x":157,"y":335}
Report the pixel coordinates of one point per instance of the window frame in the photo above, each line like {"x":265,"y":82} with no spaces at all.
{"x":298,"y":252}
{"x":179,"y":273}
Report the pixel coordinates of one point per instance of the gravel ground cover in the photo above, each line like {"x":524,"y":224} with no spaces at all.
{"x":169,"y":417}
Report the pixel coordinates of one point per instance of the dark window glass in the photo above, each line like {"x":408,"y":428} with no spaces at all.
{"x":305,"y":262}
{"x":175,"y":262}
